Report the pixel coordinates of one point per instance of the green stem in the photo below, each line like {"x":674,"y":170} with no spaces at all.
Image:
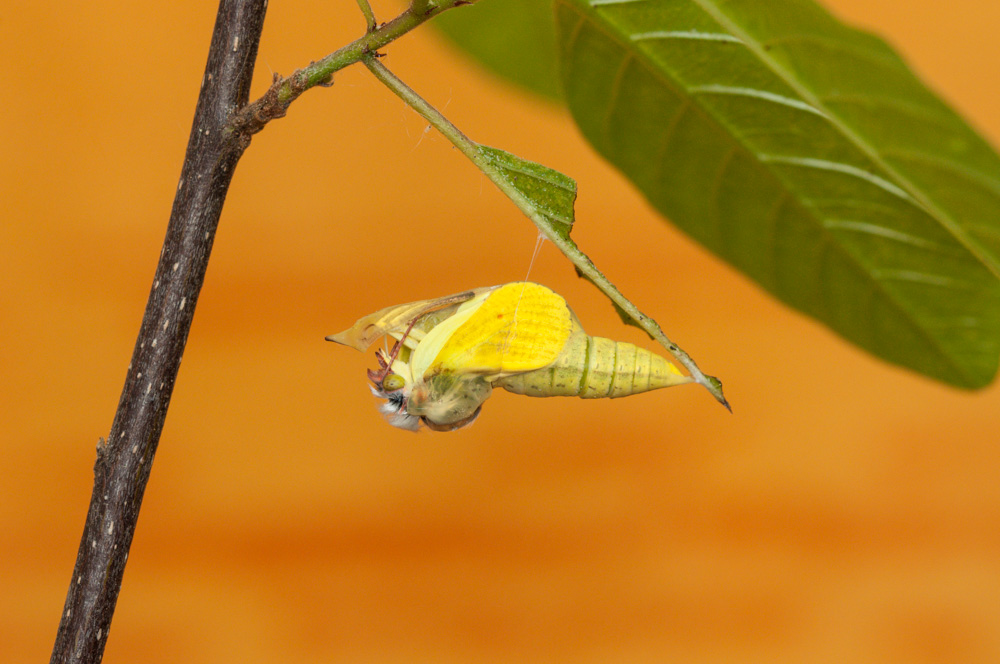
{"x":366,"y":9}
{"x":321,"y":71}
{"x":466,"y":145}
{"x":419,"y":5}
{"x":275,"y":102}
{"x":560,"y":238}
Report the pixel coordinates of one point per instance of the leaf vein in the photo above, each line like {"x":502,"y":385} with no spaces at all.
{"x":668,"y":134}
{"x":884,"y":59}
{"x":915,"y":276}
{"x":914,"y":111}
{"x":970,"y":175}
{"x":838,"y":167}
{"x":613,"y":97}
{"x":534,"y":176}
{"x":696,"y":35}
{"x":771,"y":232}
{"x":754,"y":93}
{"x":882,"y":231}
{"x":715,"y":195}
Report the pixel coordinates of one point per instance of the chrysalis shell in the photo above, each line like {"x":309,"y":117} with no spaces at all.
{"x":594,"y":368}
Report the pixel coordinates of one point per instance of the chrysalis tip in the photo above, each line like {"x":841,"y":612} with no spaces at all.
{"x":714,"y":386}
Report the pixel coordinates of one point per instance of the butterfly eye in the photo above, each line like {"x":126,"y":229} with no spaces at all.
{"x":393,"y":382}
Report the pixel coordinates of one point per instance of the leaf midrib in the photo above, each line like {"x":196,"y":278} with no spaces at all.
{"x":829,"y":239}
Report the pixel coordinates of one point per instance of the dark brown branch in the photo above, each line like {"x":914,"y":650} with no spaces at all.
{"x":124,"y":459}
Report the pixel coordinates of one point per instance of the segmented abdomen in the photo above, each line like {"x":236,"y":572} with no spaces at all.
{"x":595,"y":367}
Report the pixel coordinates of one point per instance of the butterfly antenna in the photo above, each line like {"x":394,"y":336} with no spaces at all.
{"x":396,"y":347}
{"x":386,"y":359}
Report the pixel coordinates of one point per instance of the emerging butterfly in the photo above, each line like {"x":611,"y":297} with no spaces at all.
{"x":451,"y":352}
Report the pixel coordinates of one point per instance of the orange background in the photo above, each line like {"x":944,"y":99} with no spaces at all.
{"x":847,"y":512}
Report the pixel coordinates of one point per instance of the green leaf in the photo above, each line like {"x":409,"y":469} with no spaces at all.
{"x":809,"y":156}
{"x":549,"y":194}
{"x":512,"y":38}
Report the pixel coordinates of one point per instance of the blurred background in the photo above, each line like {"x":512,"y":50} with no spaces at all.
{"x":846,"y":511}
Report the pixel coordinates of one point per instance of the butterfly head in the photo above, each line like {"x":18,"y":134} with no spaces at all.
{"x":393,"y":382}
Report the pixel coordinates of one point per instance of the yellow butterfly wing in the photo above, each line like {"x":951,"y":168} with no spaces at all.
{"x":519,"y":327}
{"x":396,"y":319}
